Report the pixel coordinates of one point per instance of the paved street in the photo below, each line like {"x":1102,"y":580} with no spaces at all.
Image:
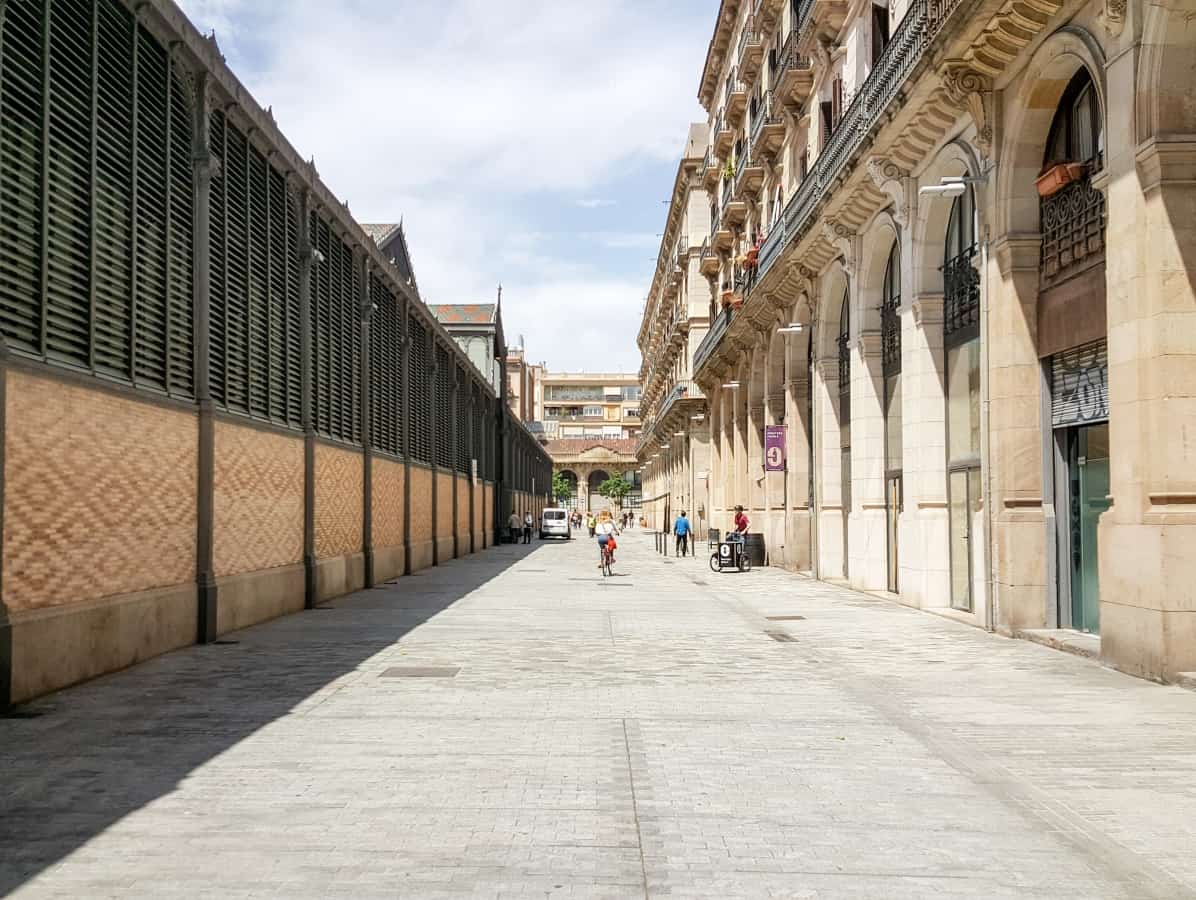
{"x":571,"y":736}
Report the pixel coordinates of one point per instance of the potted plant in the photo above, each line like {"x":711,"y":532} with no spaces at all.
{"x":1057,"y":176}
{"x":729,"y":169}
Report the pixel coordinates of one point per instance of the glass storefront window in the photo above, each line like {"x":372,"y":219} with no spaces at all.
{"x":963,"y":402}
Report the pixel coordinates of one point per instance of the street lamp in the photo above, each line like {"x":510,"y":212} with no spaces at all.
{"x":951,"y":185}
{"x":792,"y":328}
{"x":732,"y":385}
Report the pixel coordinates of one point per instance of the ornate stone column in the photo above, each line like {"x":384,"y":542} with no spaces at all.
{"x":831,"y":545}
{"x":867,"y":538}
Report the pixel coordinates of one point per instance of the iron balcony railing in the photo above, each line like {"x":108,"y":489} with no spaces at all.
{"x":682,"y":253}
{"x":682,"y":390}
{"x":714,"y":336}
{"x":750,"y":35}
{"x":765,"y":114}
{"x":789,"y":59}
{"x":726,"y":198}
{"x":922,"y":23}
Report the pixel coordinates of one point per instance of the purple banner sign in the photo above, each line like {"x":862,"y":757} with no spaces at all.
{"x":774,"y":448}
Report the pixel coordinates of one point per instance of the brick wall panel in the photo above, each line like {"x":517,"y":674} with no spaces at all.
{"x":444,"y":505}
{"x":258,"y":500}
{"x":99,"y":494}
{"x":388,"y":503}
{"x":339,"y":480}
{"x":463,"y":509}
{"x":421,"y":504}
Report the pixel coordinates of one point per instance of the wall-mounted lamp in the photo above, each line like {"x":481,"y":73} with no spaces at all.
{"x":951,"y":185}
{"x":697,"y":418}
{"x":732,"y":385}
{"x":792,"y":328}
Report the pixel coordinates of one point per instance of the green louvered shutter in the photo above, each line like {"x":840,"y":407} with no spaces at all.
{"x":385,"y":362}
{"x":149,"y":258}
{"x":419,"y":377}
{"x":276,"y":275}
{"x":68,"y":148}
{"x":293,"y":337}
{"x":218,"y":264}
{"x":113,"y":193}
{"x":21,"y":176}
{"x":322,"y":326}
{"x":257,"y":252}
{"x":180,"y":297}
{"x":236,"y":288}
{"x":443,"y":409}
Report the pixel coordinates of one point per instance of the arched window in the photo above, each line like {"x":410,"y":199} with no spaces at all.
{"x":890,"y":333}
{"x":961,"y":281}
{"x":961,"y":336}
{"x":845,"y":417}
{"x":1076,"y":133}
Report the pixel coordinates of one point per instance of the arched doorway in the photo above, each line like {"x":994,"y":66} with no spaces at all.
{"x":961,"y":339}
{"x":570,"y":478}
{"x":1072,"y":338}
{"x":594,"y":500}
{"x":844,"y":347}
{"x":890,"y":340}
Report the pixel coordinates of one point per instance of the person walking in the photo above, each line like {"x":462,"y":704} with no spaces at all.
{"x":591,"y":523}
{"x":681,"y":531}
{"x":528,"y":522}
{"x":514,"y":524}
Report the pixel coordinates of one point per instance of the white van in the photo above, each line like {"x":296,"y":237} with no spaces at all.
{"x":555,"y":523}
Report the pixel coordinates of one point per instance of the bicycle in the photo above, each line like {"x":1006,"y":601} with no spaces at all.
{"x":607,"y":560}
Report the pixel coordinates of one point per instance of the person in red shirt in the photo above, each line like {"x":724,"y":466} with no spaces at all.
{"x":742,"y":522}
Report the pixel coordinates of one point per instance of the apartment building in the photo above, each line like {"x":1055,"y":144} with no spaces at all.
{"x":952,"y":342}
{"x":590,"y":405}
{"x":673,"y":450}
{"x":525,"y":385}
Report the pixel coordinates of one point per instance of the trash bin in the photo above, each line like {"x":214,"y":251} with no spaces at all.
{"x":754,"y":548}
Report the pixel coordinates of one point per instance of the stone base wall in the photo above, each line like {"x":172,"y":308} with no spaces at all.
{"x":101,"y":525}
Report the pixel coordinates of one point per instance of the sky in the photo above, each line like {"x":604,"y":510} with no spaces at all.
{"x":530,"y":143}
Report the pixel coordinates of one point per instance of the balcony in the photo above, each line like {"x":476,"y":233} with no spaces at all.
{"x":711,"y":170}
{"x":734,"y":210}
{"x":751,"y":51}
{"x":749,"y":176}
{"x":714,"y":337}
{"x":766,"y":13}
{"x":793,"y":78}
{"x":828,"y":15}
{"x":685,"y":399}
{"x":720,"y":235}
{"x":724,"y":136}
{"x":1073,"y":231}
{"x":735,"y":99}
{"x":768,"y":128}
{"x":681,"y":254}
{"x":708,"y":263}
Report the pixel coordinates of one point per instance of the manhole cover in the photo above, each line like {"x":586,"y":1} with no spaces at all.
{"x":421,"y":672}
{"x":781,"y":637}
{"x":786,"y":618}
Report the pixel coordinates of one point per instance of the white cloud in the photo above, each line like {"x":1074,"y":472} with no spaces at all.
{"x":454,"y":114}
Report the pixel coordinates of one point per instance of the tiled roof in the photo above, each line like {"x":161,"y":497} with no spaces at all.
{"x":575,"y":446}
{"x":380,"y":232}
{"x":464,"y":313}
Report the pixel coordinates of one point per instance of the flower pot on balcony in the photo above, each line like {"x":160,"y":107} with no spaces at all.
{"x":1055,"y":178}
{"x":752,"y":257}
{"x":732,"y":300}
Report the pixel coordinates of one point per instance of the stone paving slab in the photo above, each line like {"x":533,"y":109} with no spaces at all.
{"x":628,"y":737}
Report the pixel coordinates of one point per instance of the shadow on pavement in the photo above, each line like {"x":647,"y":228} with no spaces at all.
{"x":75,"y":762}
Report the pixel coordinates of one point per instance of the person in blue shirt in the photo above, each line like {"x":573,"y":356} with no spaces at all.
{"x":681,"y":532}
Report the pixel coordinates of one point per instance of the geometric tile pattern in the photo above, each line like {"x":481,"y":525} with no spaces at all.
{"x":421,"y":504}
{"x":338,"y":501}
{"x":258,"y":500}
{"x":388,"y":503}
{"x":463,"y":489}
{"x":444,"y":505}
{"x":99,"y":494}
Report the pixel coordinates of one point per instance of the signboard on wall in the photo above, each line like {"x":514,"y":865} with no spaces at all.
{"x":774,"y":448}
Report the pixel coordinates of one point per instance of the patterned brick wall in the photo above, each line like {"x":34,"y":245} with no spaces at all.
{"x":421,"y":504}
{"x":339,"y":480}
{"x":99,"y":494}
{"x":463,"y":489}
{"x":444,"y":505}
{"x":479,"y":513}
{"x":388,"y":503}
{"x":258,"y":500}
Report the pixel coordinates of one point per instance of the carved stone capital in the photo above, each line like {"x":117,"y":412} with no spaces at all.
{"x":1018,"y":253}
{"x":927,"y":310}
{"x":967,"y":87}
{"x":839,"y":236}
{"x":889,"y":179}
{"x":1112,"y":16}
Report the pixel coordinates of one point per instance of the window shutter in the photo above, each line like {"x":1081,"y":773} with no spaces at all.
{"x":385,"y":360}
{"x":1080,"y":385}
{"x":180,"y":297}
{"x":150,"y":250}
{"x":68,"y":146}
{"x":443,"y":411}
{"x":113,"y":197}
{"x":322,"y":327}
{"x":276,"y":283}
{"x":257,"y":277}
{"x":218,"y":269}
{"x":294,"y":370}
{"x":419,"y":378}
{"x":21,"y":177}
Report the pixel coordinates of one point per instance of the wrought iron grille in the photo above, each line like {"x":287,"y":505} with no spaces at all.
{"x":890,"y":335}
{"x":844,"y":365}
{"x":961,"y":296}
{"x":386,"y":369}
{"x":1073,"y":231}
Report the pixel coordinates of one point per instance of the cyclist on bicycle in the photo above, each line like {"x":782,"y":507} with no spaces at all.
{"x":606,"y":531}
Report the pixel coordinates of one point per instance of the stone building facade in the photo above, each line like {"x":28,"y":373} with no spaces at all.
{"x":952,"y":253}
{"x":674,"y":444}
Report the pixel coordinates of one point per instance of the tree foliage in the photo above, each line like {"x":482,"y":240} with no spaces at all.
{"x":562,"y":488}
{"x":615,"y":489}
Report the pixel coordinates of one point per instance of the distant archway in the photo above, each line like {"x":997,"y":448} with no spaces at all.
{"x":595,"y":501}
{"x":570,"y":478}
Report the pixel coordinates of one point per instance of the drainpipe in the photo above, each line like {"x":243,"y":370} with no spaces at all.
{"x":985,"y":444}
